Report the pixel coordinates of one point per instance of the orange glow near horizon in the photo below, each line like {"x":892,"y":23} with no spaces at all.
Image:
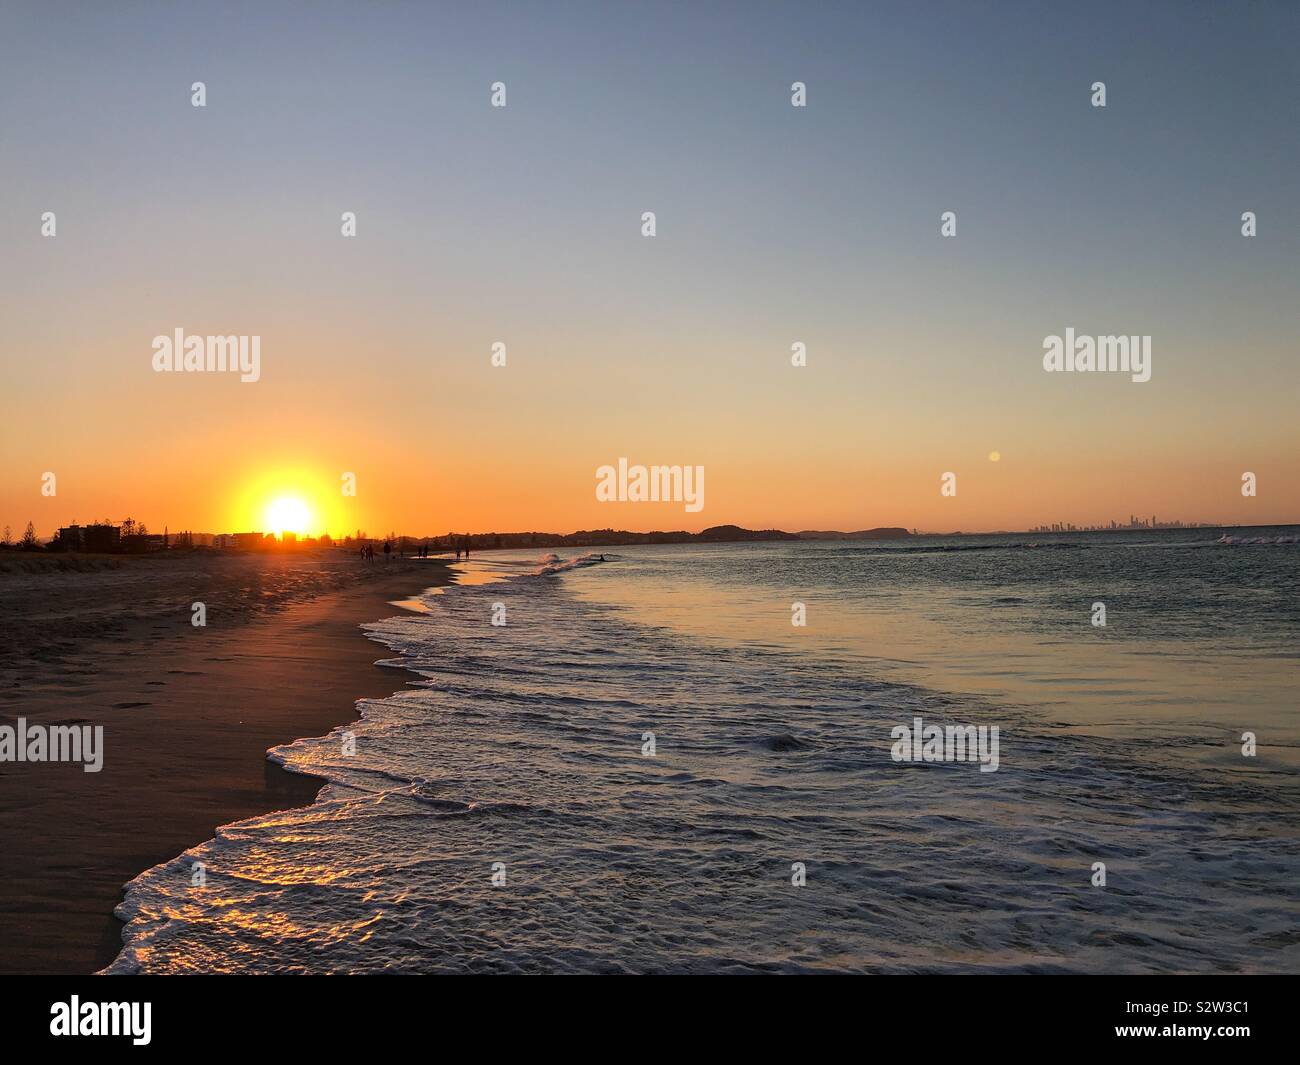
{"x":290,"y":500}
{"x":399,"y":489}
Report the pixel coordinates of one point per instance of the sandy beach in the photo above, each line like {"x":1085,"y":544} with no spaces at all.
{"x":188,"y":714}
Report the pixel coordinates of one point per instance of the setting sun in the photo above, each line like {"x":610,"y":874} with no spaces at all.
{"x":288,"y":514}
{"x":282,"y":496}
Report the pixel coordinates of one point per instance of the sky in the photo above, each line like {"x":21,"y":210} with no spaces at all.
{"x":523,"y":224}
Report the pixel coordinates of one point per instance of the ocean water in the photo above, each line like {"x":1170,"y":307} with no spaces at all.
{"x":505,"y":815}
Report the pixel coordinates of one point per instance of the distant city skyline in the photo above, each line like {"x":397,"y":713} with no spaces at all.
{"x":1134,"y":522}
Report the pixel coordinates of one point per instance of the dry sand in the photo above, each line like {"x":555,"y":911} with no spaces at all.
{"x":188,"y":715}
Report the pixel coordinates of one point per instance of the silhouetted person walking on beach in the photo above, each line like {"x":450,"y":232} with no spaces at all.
{"x":388,"y":551}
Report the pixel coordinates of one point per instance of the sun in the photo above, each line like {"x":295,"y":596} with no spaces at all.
{"x":288,"y":514}
{"x":289,"y":497}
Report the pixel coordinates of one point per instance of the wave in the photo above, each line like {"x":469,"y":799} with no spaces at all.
{"x":553,"y":563}
{"x":1256,"y":541}
{"x":1028,"y":545}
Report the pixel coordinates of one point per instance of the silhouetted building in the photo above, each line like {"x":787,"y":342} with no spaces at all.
{"x":142,"y":542}
{"x":101,"y":539}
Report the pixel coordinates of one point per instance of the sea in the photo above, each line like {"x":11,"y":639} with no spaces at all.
{"x":686,"y":759}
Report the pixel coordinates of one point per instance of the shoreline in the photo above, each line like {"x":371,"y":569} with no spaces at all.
{"x":188,"y":715}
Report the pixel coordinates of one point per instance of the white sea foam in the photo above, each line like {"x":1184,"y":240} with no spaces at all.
{"x":523,"y":745}
{"x":553,"y":563}
{"x":1256,"y":541}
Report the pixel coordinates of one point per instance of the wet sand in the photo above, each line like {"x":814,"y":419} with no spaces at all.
{"x":188,"y":715}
